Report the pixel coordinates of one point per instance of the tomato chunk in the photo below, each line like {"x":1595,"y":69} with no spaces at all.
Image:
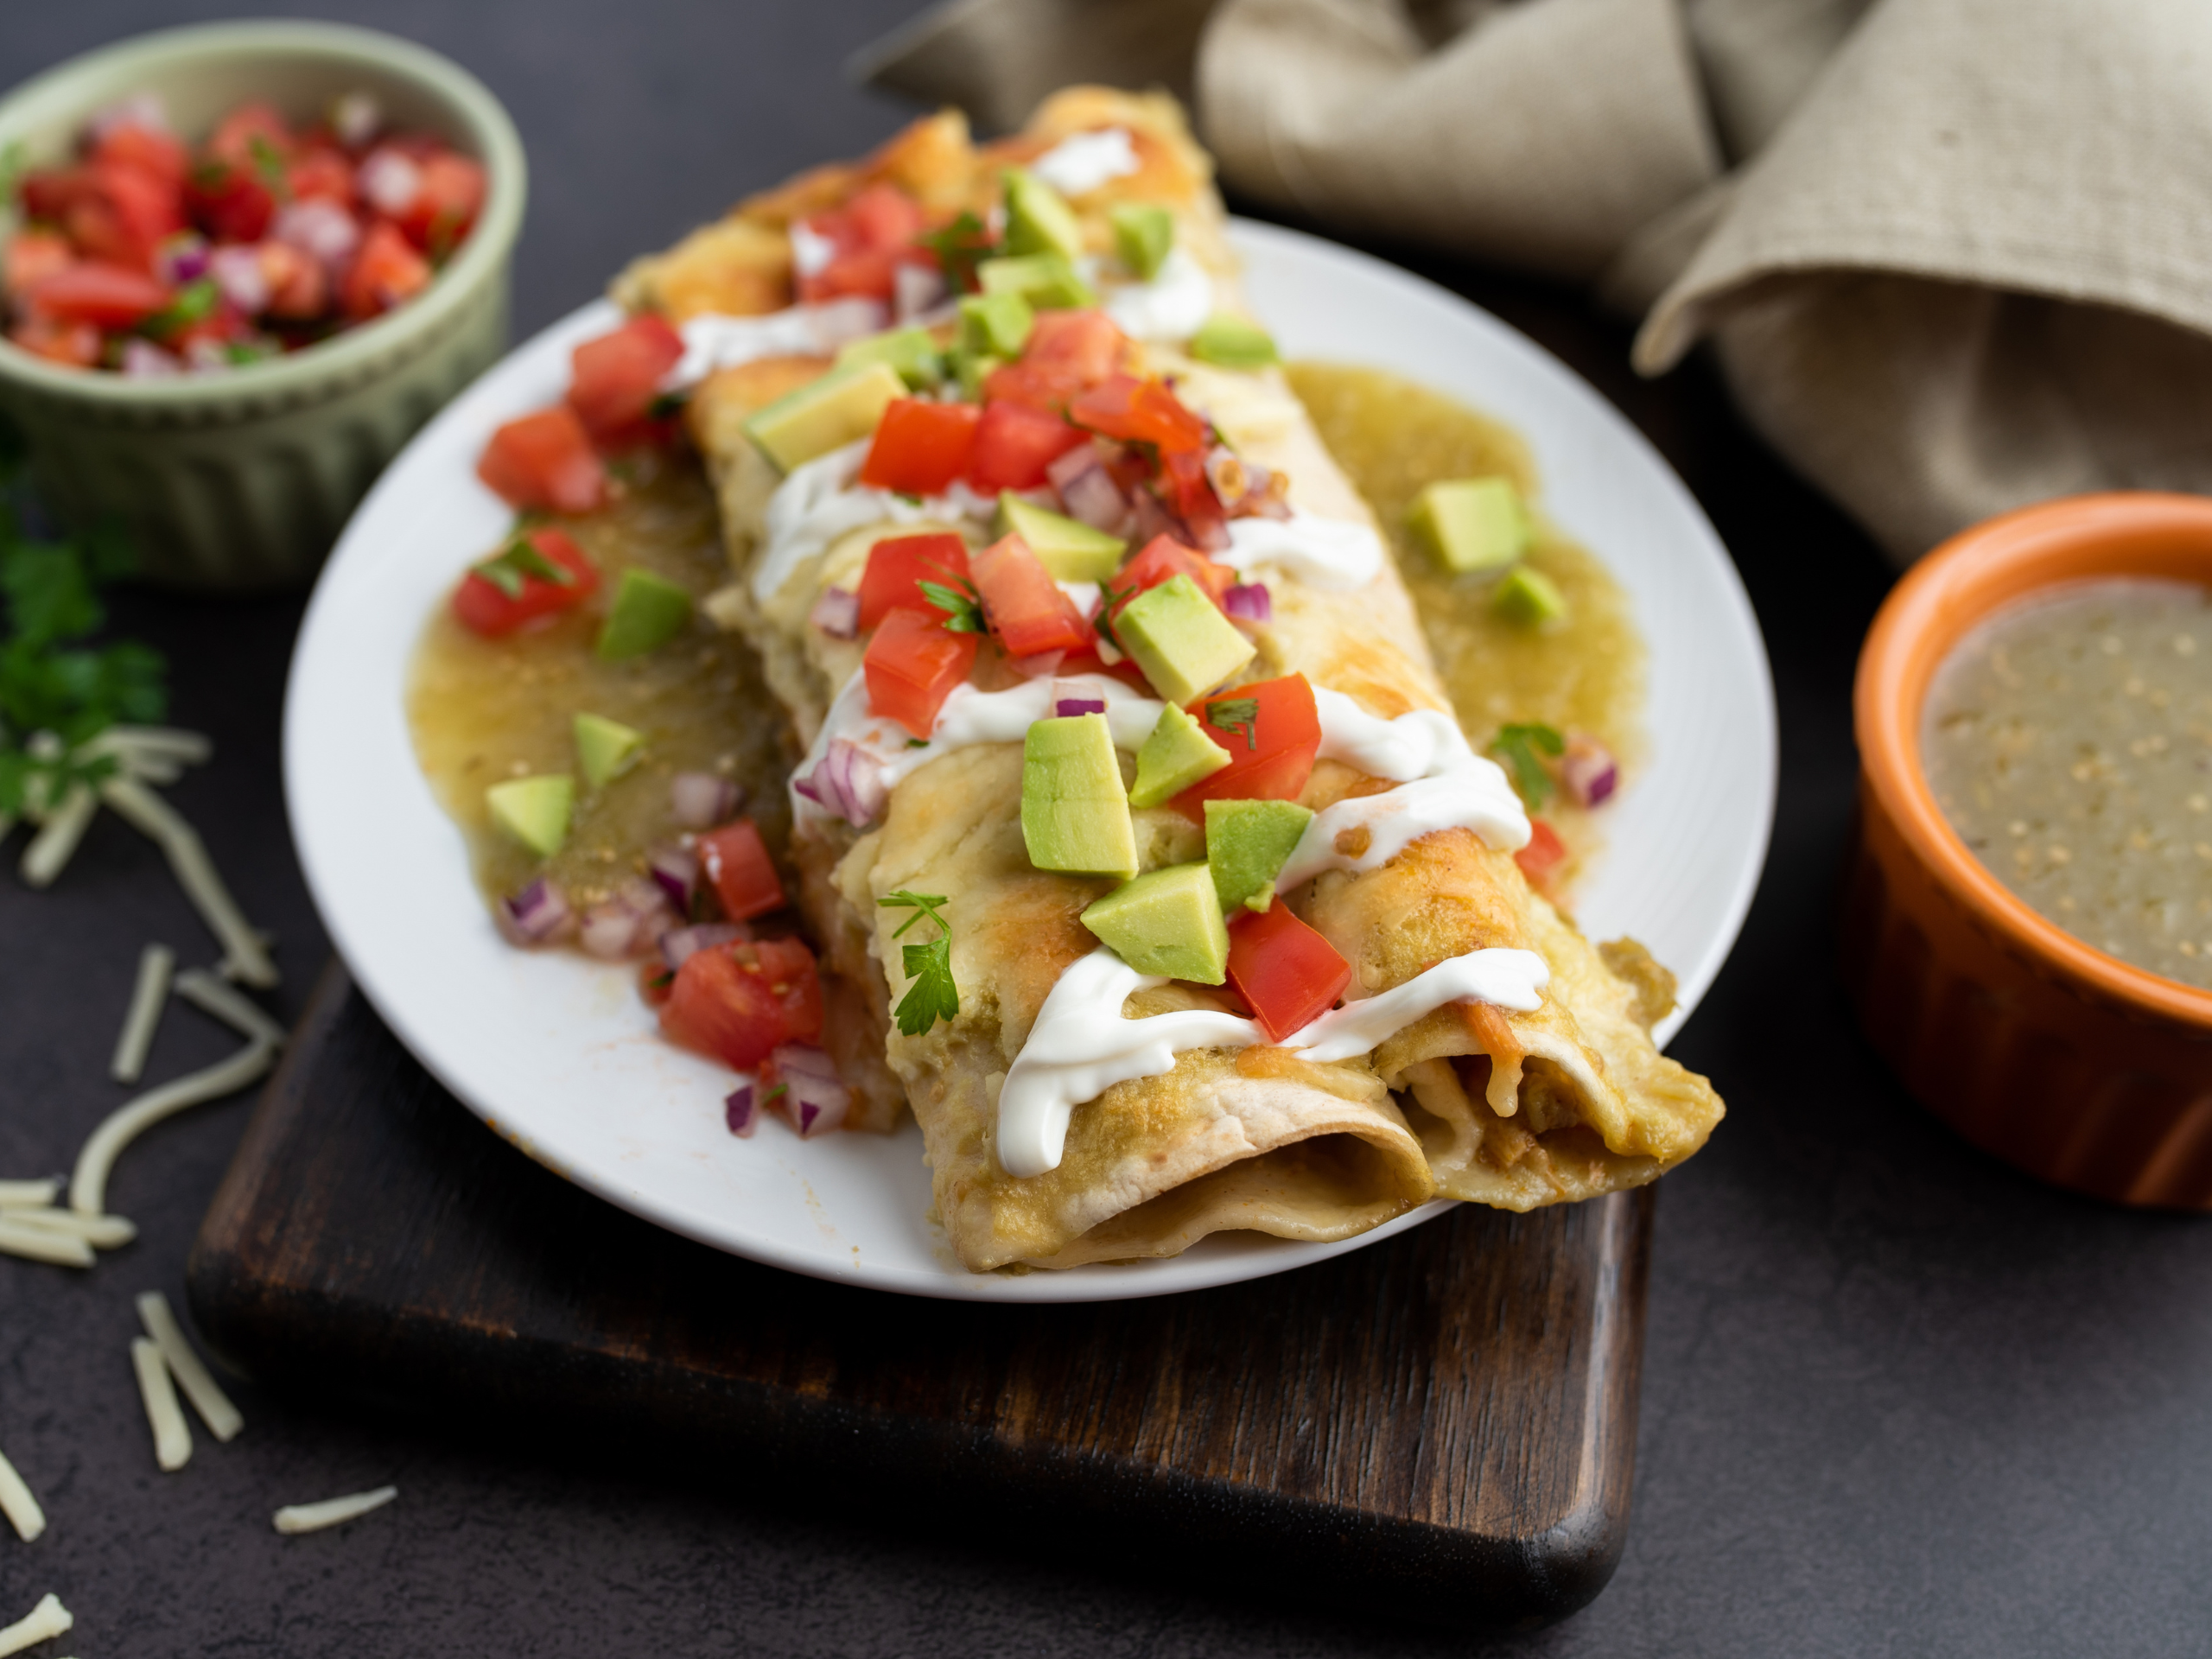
{"x":158,"y":155}
{"x":736,"y":862}
{"x":32,"y":257}
{"x":1067,"y":352}
{"x":867,"y":237}
{"x":615,"y":379}
{"x":898,"y":568}
{"x":1270,"y":761}
{"x":385,"y":272}
{"x":230,"y":203}
{"x":76,"y":344}
{"x":123,"y":214}
{"x":106,"y":295}
{"x":1014,"y":445}
{"x":1541,"y":859}
{"x":1285,"y":971}
{"x":544,"y":460}
{"x":919,"y":447}
{"x":483,"y":606}
{"x":737,"y":1002}
{"x":322,"y":172}
{"x":1139,"y":411}
{"x":1023,"y":604}
{"x":446,"y":204}
{"x":912,"y":663}
{"x":250,"y":133}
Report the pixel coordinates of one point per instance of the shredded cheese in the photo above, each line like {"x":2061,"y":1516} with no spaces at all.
{"x":42,"y":1244}
{"x":42,"y":1623}
{"x":155,"y":964}
{"x":101,"y":1232}
{"x":172,"y":1434}
{"x":211,"y":995}
{"x":245,"y":954}
{"x":88,"y":1185}
{"x":214,"y":1407}
{"x":17,"y":1504}
{"x":28,"y":1195}
{"x":61,"y":830}
{"x":313,"y":1517}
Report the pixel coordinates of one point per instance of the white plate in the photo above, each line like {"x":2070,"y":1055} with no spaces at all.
{"x":558,"y":1054}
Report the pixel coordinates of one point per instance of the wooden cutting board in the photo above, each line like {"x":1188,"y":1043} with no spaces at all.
{"x":1439,"y":1428}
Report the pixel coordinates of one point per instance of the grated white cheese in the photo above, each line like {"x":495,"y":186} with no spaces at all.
{"x":210,"y":995}
{"x":40,"y":1244}
{"x":245,"y":954}
{"x":42,"y":1623}
{"x":172,"y":1434}
{"x":102,"y":1232}
{"x":155,"y":964}
{"x":28,"y":1195}
{"x":223,"y":1419}
{"x":88,"y":1184}
{"x":313,"y":1517}
{"x":17,"y":1504}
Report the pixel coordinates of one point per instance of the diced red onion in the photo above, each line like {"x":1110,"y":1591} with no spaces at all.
{"x":676,"y":869}
{"x":181,"y":258}
{"x":388,"y":181}
{"x":238,"y":273}
{"x":355,"y":118}
{"x":1251,"y":601}
{"x":1152,"y":519}
{"x":143,"y":360}
{"x":1068,"y":708}
{"x":915,"y":289}
{"x":837,"y":613}
{"x":537,"y":914}
{"x":139,"y":110}
{"x":1588,"y":772}
{"x":679,"y":945}
{"x":321,"y":229}
{"x":627,"y":925}
{"x":813,"y":1101}
{"x":1086,"y":489}
{"x":204,"y":355}
{"x":847,"y":783}
{"x":700,"y":800}
{"x":742,"y":1111}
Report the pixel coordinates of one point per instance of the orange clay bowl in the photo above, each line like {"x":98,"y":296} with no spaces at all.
{"x":2070,"y":1063}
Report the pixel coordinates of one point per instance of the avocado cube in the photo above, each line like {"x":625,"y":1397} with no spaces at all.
{"x":1233,"y":343}
{"x":1166,"y":922}
{"x":648,"y":611}
{"x":1047,"y":281}
{"x":1247,"y":842}
{"x":1038,"y":218}
{"x":534,"y":810}
{"x":1143,"y":234}
{"x":1529,"y":599}
{"x":996,"y":323}
{"x":911,"y":353}
{"x":1070,"y":549}
{"x":1075,"y":815}
{"x":1178,"y":755}
{"x":1471,"y":524}
{"x":828,"y":414}
{"x":1183,"y":644}
{"x":605,"y":748}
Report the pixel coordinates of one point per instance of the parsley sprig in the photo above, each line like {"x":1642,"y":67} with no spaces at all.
{"x":960,"y":247}
{"x":1518,"y":746}
{"x":932,"y":997}
{"x":1236,"y":714}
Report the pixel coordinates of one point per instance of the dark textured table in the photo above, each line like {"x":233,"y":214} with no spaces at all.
{"x":1896,"y":1400}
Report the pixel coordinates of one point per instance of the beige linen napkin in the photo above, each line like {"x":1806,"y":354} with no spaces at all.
{"x":1965,"y":261}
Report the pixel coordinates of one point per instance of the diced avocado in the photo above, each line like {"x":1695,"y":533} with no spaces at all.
{"x":1471,"y":524}
{"x":1070,"y":549}
{"x":1038,"y":218}
{"x":1165,"y":922}
{"x":648,"y":611}
{"x":1177,"y":755}
{"x":996,"y":323}
{"x":1529,"y":598}
{"x":1075,"y":815}
{"x":534,"y":810}
{"x":1143,"y":234}
{"x":605,"y":748}
{"x":1047,"y":281}
{"x":1181,"y":642}
{"x":1234,"y":343}
{"x":828,"y":414}
{"x":911,"y":353}
{"x":1247,"y":842}
{"x":972,"y":369}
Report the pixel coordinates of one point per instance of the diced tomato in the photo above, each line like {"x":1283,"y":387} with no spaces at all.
{"x":76,"y":344}
{"x":738,"y":1002}
{"x":230,"y":203}
{"x":898,"y":568}
{"x":299,"y":287}
{"x":1541,"y":859}
{"x":1190,"y":495}
{"x":446,"y":206}
{"x":482,"y":607}
{"x":544,"y":460}
{"x":385,"y":272}
{"x":235,"y":136}
{"x":883,"y":216}
{"x":736,"y":862}
{"x":869,"y":236}
{"x":32,"y":257}
{"x":1087,"y":344}
{"x":107,"y":295}
{"x":158,"y":155}
{"x":912,"y":663}
{"x":1139,"y":411}
{"x":1023,"y":604}
{"x":319,"y":171}
{"x":1287,"y":973}
{"x":47,"y":192}
{"x":123,"y":214}
{"x":919,"y":447}
{"x":616,"y":377}
{"x":1274,"y":759}
{"x":1014,"y":445}
{"x":1165,"y":558}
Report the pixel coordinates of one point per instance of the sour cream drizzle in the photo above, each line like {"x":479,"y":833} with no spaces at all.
{"x":1082,"y":161}
{"x":713,"y":342}
{"x":1081,"y":1046}
{"x":1174,"y":305}
{"x":1333,"y":553}
{"x":819,"y":502}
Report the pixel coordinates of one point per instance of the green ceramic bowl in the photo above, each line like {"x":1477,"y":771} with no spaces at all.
{"x":243,"y":478}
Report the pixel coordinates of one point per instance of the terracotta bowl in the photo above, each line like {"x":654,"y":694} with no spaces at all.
{"x":2069,"y":1063}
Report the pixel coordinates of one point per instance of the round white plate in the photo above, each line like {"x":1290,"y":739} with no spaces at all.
{"x":558,"y":1053}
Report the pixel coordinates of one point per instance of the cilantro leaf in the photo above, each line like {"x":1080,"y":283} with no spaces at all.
{"x":193,"y":301}
{"x":1108,"y":597}
{"x":1518,"y":746}
{"x":1236,"y":714}
{"x":269,"y":164}
{"x":932,"y":997}
{"x":520,"y":559}
{"x":960,"y":247}
{"x":960,"y":599}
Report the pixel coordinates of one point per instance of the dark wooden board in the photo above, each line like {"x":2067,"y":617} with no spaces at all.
{"x":1441,"y":1428}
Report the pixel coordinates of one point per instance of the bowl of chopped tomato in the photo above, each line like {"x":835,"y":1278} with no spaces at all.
{"x":241,"y":263}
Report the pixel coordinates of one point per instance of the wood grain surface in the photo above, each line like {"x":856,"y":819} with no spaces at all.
{"x":1441,"y":1426}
